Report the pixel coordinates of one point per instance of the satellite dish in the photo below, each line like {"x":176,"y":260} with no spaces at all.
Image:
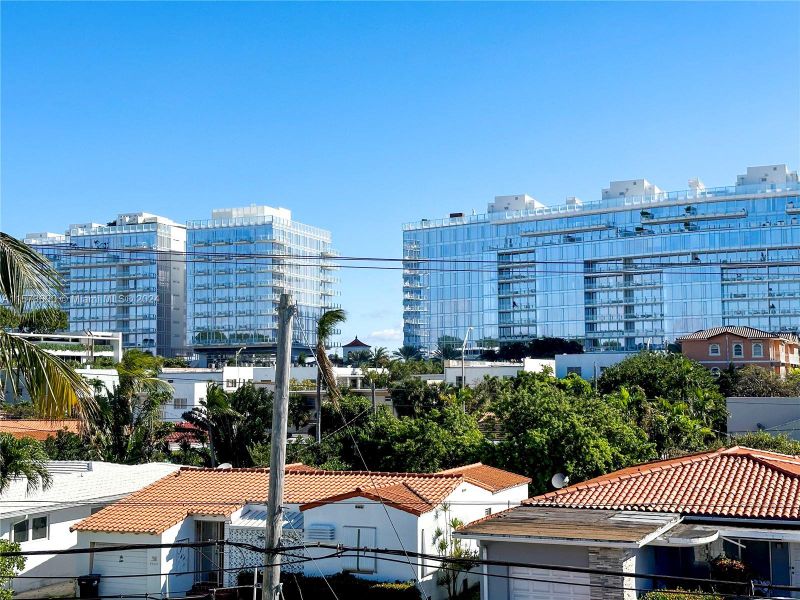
{"x":225,"y":466}
{"x":559,"y":480}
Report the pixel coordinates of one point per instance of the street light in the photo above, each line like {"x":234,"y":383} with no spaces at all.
{"x":236,"y":358}
{"x":463,"y":348}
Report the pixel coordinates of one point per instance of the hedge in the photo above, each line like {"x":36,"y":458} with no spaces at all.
{"x":680,"y":594}
{"x":345,"y":586}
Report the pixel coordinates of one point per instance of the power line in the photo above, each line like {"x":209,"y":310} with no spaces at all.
{"x":364,"y":462}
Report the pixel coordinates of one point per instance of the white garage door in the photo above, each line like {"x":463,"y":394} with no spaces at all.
{"x":128,"y":562}
{"x":548,"y":585}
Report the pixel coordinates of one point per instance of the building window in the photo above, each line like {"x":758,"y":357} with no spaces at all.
{"x":713,"y":350}
{"x":180,"y":403}
{"x":577,"y":370}
{"x":487,"y":511}
{"x":39,"y":528}
{"x":21,"y":531}
{"x":758,"y":350}
{"x":738,"y":351}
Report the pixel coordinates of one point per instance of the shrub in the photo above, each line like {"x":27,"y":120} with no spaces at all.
{"x":679,"y":594}
{"x":730,"y":569}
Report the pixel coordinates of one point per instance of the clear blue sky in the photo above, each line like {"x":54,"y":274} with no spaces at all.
{"x":359,"y":117}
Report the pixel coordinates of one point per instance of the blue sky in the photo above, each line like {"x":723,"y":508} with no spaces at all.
{"x":359,"y":117}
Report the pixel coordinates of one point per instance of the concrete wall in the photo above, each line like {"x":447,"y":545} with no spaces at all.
{"x":747,"y":413}
{"x":476,"y":371}
{"x":588,"y":365}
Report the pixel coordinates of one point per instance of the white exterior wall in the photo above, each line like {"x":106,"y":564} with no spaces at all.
{"x":189,"y":385}
{"x":467,"y":502}
{"x":476,"y":371}
{"x":108,"y":377}
{"x":59,"y":537}
{"x":589,"y":363}
{"x":745,"y":414}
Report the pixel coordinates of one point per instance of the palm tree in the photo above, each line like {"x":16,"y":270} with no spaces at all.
{"x":55,"y":389}
{"x":407,"y":353}
{"x":24,"y":457}
{"x":325,"y":327}
{"x":379,"y":357}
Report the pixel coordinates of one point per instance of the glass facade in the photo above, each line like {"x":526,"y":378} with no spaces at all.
{"x":127,"y":276}
{"x":622,"y":273}
{"x":241,"y":261}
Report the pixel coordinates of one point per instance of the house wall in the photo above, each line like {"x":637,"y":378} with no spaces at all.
{"x":59,"y":537}
{"x":589,"y":364}
{"x":153,"y":582}
{"x":497,"y":587}
{"x":746,"y":413}
{"x":778,"y":354}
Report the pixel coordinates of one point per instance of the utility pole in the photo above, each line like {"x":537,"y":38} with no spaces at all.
{"x":319,"y":404}
{"x":277,"y":460}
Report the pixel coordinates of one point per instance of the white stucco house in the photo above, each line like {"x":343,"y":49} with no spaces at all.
{"x":41,"y":519}
{"x":345,"y":507}
{"x":666,"y":519}
{"x":474,"y":371}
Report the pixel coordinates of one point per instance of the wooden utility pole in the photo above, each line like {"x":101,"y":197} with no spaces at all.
{"x":277,"y":460}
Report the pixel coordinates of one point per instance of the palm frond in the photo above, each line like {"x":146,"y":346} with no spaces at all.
{"x":55,"y":389}
{"x":325,"y":327}
{"x":22,"y":270}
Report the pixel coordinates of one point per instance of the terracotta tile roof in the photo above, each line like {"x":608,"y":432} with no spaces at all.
{"x":745,"y":332}
{"x":195,"y":491}
{"x":489,"y":478}
{"x":38,"y":429}
{"x":185,"y":431}
{"x":733,"y":482}
{"x":404,"y":495}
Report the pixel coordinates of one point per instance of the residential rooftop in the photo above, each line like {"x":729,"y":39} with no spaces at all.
{"x":734,"y":482}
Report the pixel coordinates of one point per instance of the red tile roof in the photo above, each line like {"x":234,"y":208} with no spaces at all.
{"x":749,"y":333}
{"x":185,"y":431}
{"x":733,"y":482}
{"x":220,"y":492}
{"x":489,"y":478}
{"x":356,"y":343}
{"x":38,"y":429}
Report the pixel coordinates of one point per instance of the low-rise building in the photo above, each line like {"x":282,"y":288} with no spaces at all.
{"x":42,"y":519}
{"x":720,"y":347}
{"x":589,"y":365}
{"x":474,"y":371}
{"x":353,"y":508}
{"x":79,"y":347}
{"x":355,"y":346}
{"x":667,"y":518}
{"x":38,"y":429}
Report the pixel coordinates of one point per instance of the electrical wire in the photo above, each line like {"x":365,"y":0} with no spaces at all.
{"x":364,"y":462}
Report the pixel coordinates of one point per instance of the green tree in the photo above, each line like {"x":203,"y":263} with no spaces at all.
{"x":66,"y":445}
{"x":56,"y":390}
{"x":552,"y":426}
{"x":379,"y":357}
{"x":44,"y":320}
{"x":763,"y":440}
{"x":407,"y":353}
{"x":22,"y":458}
{"x":175,"y":362}
{"x":755,"y":381}
{"x":233,"y":422}
{"x":10,"y":567}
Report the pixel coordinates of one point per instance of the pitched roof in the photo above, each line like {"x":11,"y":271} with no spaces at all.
{"x":356,"y":343}
{"x":733,"y":482}
{"x":220,"y":492}
{"x":745,"y":332}
{"x":38,"y":429}
{"x":404,"y":495}
{"x":79,"y":482}
{"x":489,"y":478}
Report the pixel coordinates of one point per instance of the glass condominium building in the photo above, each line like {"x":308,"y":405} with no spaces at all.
{"x":126,"y":276}
{"x":635,"y":269}
{"x":239,"y":262}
